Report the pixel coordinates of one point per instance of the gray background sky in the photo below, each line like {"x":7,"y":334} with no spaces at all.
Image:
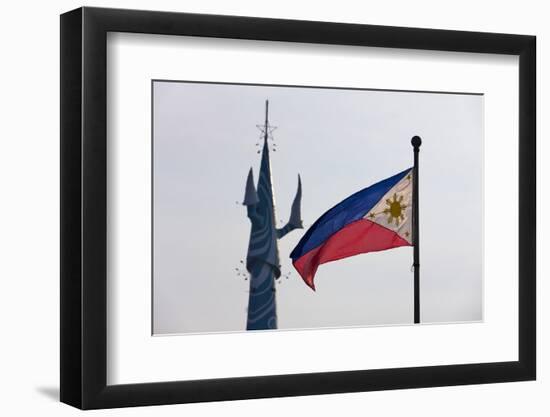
{"x":340,"y":141}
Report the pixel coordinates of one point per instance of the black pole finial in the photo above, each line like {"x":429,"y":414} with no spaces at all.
{"x":416,"y":141}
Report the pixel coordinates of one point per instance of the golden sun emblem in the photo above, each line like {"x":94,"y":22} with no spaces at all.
{"x":395,"y":209}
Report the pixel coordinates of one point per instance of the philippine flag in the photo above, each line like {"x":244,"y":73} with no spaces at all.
{"x":376,"y":218}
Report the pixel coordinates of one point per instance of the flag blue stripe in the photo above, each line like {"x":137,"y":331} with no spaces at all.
{"x":351,"y":209}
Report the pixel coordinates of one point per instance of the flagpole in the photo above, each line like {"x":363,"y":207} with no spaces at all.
{"x":416,"y":142}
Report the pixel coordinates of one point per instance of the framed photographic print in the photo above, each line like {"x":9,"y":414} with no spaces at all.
{"x":256,"y":207}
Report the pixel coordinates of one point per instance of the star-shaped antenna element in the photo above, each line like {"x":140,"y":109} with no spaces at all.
{"x":270,"y":130}
{"x":266,"y":130}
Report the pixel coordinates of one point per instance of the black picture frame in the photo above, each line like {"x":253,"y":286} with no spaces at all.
{"x":84,"y":207}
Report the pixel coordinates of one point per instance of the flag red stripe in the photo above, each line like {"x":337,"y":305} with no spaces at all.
{"x":361,"y":236}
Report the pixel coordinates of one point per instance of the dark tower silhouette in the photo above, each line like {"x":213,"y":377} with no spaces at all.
{"x":262,"y":260}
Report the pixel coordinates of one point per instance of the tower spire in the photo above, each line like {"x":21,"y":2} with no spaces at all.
{"x":266,"y":125}
{"x":262,"y":260}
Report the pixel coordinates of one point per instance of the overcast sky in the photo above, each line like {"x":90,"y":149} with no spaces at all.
{"x":340,"y":141}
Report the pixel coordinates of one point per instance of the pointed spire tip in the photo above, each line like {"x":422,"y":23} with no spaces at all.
{"x":250,"y":194}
